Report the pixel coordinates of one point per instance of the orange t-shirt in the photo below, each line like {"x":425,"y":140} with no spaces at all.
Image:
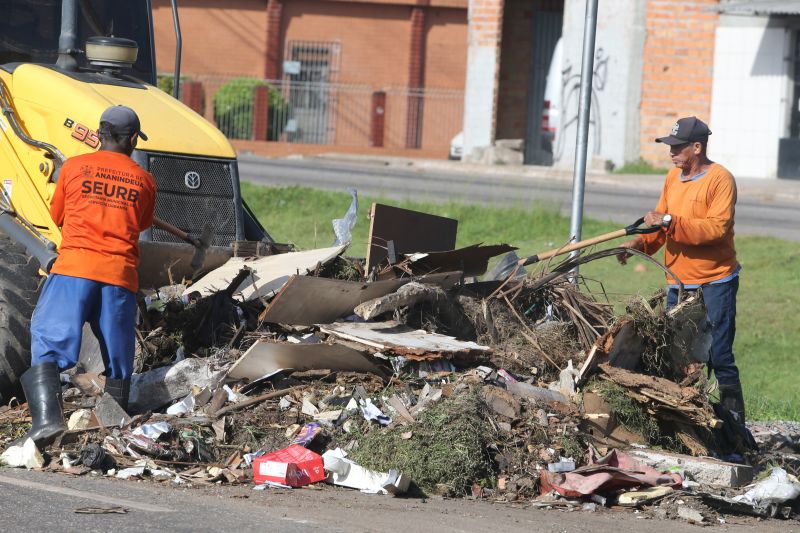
{"x":699,"y":242}
{"x":102,"y":202}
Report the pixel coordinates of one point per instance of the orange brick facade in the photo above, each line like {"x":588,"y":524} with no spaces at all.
{"x":515,"y":53}
{"x":397,"y":46}
{"x":678,"y":68}
{"x":218,"y":37}
{"x":238,"y":36}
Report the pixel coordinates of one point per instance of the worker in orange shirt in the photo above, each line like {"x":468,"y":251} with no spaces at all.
{"x":695,"y":212}
{"x":102,"y":202}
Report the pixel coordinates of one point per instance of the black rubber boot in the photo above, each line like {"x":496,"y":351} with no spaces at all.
{"x":732,"y":399}
{"x":120,"y":390}
{"x":42,"y":388}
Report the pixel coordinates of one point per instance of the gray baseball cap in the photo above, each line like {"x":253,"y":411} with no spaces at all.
{"x":123,"y":121}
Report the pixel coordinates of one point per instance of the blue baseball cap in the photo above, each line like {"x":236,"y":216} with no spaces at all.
{"x":122,"y":120}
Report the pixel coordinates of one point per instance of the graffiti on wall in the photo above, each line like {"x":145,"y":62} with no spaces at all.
{"x":570,"y":99}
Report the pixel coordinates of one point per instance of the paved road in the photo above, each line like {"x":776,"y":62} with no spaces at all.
{"x":37,"y":501}
{"x":761,"y":210}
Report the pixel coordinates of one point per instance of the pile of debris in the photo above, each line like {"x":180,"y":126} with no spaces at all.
{"x":405,"y":373}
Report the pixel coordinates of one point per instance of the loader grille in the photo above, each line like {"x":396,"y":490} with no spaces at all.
{"x":193,"y":192}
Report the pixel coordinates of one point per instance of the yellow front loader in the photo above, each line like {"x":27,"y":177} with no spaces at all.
{"x":61,"y":64}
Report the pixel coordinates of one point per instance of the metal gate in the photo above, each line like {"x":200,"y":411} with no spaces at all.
{"x":546,"y":27}
{"x":310,"y":66}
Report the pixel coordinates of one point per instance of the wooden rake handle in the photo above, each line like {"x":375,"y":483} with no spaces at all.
{"x":634,"y":228}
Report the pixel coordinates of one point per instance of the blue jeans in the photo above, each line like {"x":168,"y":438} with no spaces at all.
{"x":66,"y":303}
{"x":720,"y":300}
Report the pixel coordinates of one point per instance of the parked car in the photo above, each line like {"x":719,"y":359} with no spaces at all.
{"x":456,"y":147}
{"x":551,"y":107}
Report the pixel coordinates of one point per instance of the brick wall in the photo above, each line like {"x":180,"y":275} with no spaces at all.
{"x":677,"y":71}
{"x":248,"y":37}
{"x":445,"y":48}
{"x":375,"y":40}
{"x":515,"y":60}
{"x":433,"y":3}
{"x":218,"y":37}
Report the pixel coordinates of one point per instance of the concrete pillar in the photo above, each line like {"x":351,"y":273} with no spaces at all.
{"x":416,"y":78}
{"x":261,"y":113}
{"x":378,"y":119}
{"x":273,"y":64}
{"x":483,"y":57}
{"x":192,"y":95}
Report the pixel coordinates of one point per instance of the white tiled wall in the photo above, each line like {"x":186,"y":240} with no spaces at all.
{"x":749,"y":99}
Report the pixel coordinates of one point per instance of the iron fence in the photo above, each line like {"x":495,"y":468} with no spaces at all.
{"x":313,"y":112}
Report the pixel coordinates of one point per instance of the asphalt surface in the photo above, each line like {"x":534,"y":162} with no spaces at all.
{"x":765,"y":207}
{"x":39,"y":501}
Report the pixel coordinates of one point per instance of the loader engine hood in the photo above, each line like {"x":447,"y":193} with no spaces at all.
{"x":63,"y":108}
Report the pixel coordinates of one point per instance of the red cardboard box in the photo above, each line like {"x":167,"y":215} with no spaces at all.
{"x":295,"y":466}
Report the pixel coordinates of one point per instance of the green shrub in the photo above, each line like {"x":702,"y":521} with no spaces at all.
{"x":233,"y":109}
{"x":640,"y":167}
{"x":448,"y":449}
{"x":166,"y":82}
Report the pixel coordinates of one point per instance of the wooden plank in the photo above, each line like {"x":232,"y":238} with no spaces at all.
{"x":411,"y":232}
{"x":687,"y":401}
{"x":307,"y":300}
{"x":472,"y":260}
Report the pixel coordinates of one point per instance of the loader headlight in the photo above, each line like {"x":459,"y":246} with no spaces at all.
{"x":112,"y":52}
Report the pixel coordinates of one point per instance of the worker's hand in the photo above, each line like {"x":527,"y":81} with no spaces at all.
{"x":654,"y":218}
{"x":635,"y":244}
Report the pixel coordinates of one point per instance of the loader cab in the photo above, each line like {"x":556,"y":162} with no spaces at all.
{"x":30,"y":32}
{"x":99,"y":51}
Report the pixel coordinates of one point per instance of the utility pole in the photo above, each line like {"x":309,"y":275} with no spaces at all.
{"x":584,"y":109}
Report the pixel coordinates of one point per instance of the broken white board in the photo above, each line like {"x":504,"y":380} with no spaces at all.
{"x":268,"y":274}
{"x":398,"y":338}
{"x":267,"y":358}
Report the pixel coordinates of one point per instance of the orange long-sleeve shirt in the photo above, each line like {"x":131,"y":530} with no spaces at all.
{"x":699,"y":242}
{"x":102,"y":202}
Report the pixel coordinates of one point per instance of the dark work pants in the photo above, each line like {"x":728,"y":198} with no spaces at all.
{"x":720,"y":300}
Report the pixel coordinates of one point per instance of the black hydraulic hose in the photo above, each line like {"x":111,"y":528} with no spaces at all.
{"x":8,"y":111}
{"x":68,"y":38}
{"x":43,"y":252}
{"x":176,"y":84}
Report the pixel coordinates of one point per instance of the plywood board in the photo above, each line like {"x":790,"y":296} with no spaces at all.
{"x":267,"y":358}
{"x":165,"y":263}
{"x":398,"y":338}
{"x":307,"y":300}
{"x":411,"y":232}
{"x":269,"y":273}
{"x":472,"y":260}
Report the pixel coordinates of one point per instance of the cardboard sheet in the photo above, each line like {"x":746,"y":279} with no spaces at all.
{"x":267,"y":358}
